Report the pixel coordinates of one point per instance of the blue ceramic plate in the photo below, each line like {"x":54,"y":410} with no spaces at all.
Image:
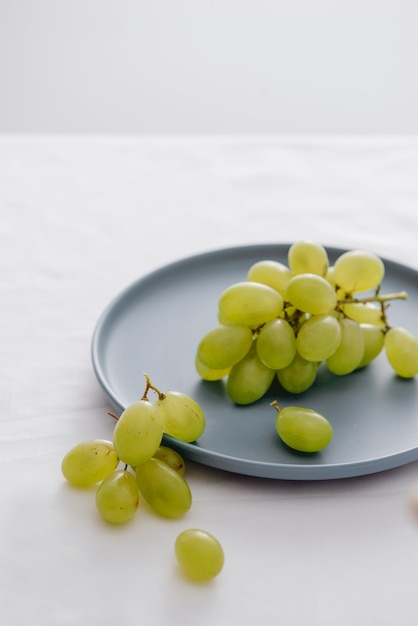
{"x":155,"y":325}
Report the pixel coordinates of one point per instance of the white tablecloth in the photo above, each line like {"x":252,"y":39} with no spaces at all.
{"x":83,"y":217}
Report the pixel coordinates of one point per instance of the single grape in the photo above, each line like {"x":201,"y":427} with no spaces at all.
{"x":347,"y":357}
{"x":319,"y":337}
{"x":89,"y":462}
{"x":329,"y":276}
{"x":172,"y":458}
{"x":308,"y":257}
{"x":373,"y":338}
{"x":250,"y":304}
{"x":276,"y":344}
{"x":303,"y":429}
{"x":358,"y":270}
{"x":207,"y":373}
{"x":299,"y":376}
{"x":364,"y":313}
{"x":401,"y":348}
{"x":117,"y":497}
{"x":182,"y":417}
{"x":272,"y":273}
{"x":199,"y":554}
{"x":225,"y":345}
{"x":341,"y":293}
{"x":249,"y":380}
{"x":312,"y":294}
{"x":165,"y":490}
{"x":138,"y":432}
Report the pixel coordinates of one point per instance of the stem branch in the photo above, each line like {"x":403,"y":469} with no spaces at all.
{"x":401,"y":295}
{"x":149,"y":386}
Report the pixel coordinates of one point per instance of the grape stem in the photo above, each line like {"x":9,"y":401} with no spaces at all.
{"x":382,"y":300}
{"x":276,"y":405}
{"x":401,"y":295}
{"x":149,"y":386}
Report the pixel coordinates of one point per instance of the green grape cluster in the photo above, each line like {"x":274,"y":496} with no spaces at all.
{"x":284,"y":320}
{"x":136,"y":465}
{"x":150,"y":469}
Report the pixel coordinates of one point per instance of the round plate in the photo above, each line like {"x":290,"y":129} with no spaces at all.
{"x":155,"y":325}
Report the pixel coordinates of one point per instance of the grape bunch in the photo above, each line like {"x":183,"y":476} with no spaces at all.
{"x":136,"y":464}
{"x":150,"y":468}
{"x":285,"y":320}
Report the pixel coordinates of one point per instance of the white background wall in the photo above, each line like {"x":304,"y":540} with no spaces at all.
{"x":191,"y":66}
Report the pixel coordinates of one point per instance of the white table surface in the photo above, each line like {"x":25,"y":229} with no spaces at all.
{"x":83,"y":217}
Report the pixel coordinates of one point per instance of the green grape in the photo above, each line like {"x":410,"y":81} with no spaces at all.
{"x":341,"y":294}
{"x":138,"y":432}
{"x":373,"y":338}
{"x":358,"y":270}
{"x":249,"y":379}
{"x":163,"y":488}
{"x":207,"y":373}
{"x":298,"y":376}
{"x":199,"y":554}
{"x":182,"y":417}
{"x":318,"y":338}
{"x":401,"y":348}
{"x":117,"y":497}
{"x":303,"y":429}
{"x":222,"y":319}
{"x":89,"y":462}
{"x":308,"y":257}
{"x":350,"y":351}
{"x":250,"y":304}
{"x":172,"y":458}
{"x":364,"y":313}
{"x":329,"y":276}
{"x":225,"y":345}
{"x":276,"y":344}
{"x":312,"y":294}
{"x":272,"y":273}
